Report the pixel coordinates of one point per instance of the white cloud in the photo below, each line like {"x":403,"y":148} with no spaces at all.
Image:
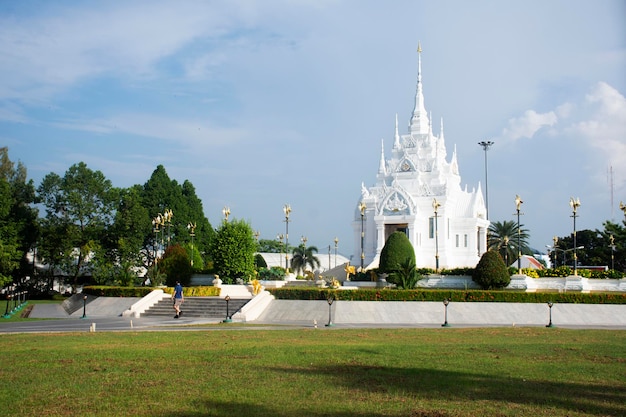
{"x":528,"y":124}
{"x":604,"y":126}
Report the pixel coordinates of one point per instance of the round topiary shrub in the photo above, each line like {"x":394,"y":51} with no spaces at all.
{"x":396,"y":252}
{"x":491,"y":272}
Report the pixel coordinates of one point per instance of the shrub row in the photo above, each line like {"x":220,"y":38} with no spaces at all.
{"x":453,"y":295}
{"x":204,"y":291}
{"x":110,"y":291}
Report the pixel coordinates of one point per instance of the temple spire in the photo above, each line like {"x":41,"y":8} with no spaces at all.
{"x":419,"y":120}
{"x":396,"y":141}
{"x":381,"y":167}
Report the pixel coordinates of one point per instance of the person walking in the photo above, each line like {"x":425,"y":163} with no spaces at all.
{"x":178,"y":299}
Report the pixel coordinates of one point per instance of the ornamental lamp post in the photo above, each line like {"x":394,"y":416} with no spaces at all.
{"x":555,"y":241}
{"x":612,"y":241}
{"x":287,"y":211}
{"x":362,"y":208}
{"x":167,"y":216}
{"x":436,"y":206}
{"x":156,"y":222}
{"x":446,"y":301}
{"x":280,"y":238}
{"x":227,"y":319}
{"x":486,"y":145}
{"x":550,"y":304}
{"x":518,"y":206}
{"x":192,"y":233}
{"x":574,"y":204}
{"x":336,"y":243}
{"x":84,"y":307}
{"x":330,"y":297}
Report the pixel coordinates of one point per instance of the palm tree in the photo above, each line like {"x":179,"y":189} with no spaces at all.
{"x":303,"y":257}
{"x":503,"y":238}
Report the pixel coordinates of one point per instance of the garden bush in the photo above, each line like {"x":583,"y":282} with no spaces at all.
{"x":491,"y":272}
{"x":396,"y":251}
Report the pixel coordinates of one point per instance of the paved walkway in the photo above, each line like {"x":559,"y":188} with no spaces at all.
{"x":282,"y":314}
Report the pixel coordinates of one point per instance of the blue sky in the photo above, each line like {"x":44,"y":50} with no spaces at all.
{"x":262,"y":103}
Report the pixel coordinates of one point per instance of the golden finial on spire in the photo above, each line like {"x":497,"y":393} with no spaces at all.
{"x":419,"y":47}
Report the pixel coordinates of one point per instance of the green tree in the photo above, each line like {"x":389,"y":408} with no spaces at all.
{"x":491,"y":272}
{"x":271,"y":246}
{"x":161,"y":193}
{"x":503,"y":238}
{"x":232,"y":251}
{"x":19,"y":226}
{"x":303,"y":257}
{"x":613,"y":246}
{"x":176,"y":266}
{"x":397,"y":250}
{"x":81,"y":205}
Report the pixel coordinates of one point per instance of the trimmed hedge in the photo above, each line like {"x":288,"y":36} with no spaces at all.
{"x":453,"y":295}
{"x":205,"y":291}
{"x":109,"y":291}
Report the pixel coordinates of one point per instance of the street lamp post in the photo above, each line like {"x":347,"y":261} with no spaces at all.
{"x":555,"y":240}
{"x":446,"y":301}
{"x":329,"y":256}
{"x":287,"y":211}
{"x":336,"y":243}
{"x":280,"y":238}
{"x":574,"y":204}
{"x":550,"y":304}
{"x":330,"y":297}
{"x":192,"y":233}
{"x":518,"y":206}
{"x":84,"y":307}
{"x":156,"y":222}
{"x":486,"y":145}
{"x":167,"y":217}
{"x":612,"y":240}
{"x":362,"y":208}
{"x":436,"y":206}
{"x":228,"y":319}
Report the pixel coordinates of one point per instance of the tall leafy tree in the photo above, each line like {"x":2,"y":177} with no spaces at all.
{"x":81,"y":205}
{"x":120,"y":254}
{"x":232,"y":250}
{"x":160,"y":193}
{"x":595,"y":247}
{"x":303,"y":257}
{"x":18,"y":220}
{"x":503,"y":239}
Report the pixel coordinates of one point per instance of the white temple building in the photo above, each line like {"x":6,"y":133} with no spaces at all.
{"x":416,"y":178}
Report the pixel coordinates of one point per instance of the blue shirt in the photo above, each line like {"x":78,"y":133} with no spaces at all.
{"x":178,"y":291}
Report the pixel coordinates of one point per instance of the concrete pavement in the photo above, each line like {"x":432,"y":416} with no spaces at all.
{"x":106,"y":314}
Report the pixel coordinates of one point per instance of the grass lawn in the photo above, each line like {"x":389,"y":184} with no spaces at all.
{"x":316,"y":372}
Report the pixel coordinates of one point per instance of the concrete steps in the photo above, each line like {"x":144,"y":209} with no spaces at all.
{"x":205,"y":307}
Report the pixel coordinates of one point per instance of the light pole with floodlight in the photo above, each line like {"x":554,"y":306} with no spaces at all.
{"x":336,"y":243}
{"x":192,"y":232}
{"x":486,"y":145}
{"x":362,"y":208}
{"x":574,"y":204}
{"x":436,"y":206}
{"x":287,"y":211}
{"x":518,"y":206}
